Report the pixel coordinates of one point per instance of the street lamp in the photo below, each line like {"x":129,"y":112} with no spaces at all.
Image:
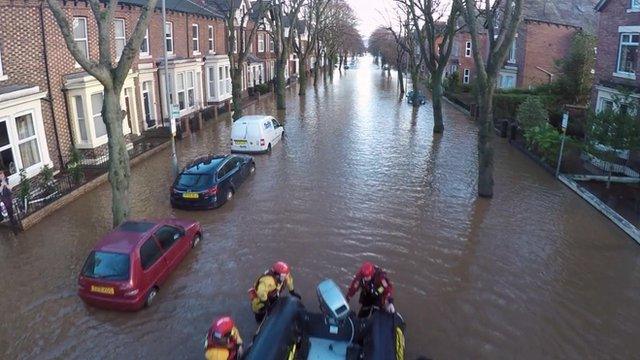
{"x":174,"y":157}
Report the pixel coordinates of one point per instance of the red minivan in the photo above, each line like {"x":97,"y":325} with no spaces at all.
{"x":126,"y":268}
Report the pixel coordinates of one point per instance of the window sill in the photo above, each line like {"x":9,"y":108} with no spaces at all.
{"x":145,"y":56}
{"x":633,"y":10}
{"x":3,"y":77}
{"x":625,"y":75}
{"x":196,"y":53}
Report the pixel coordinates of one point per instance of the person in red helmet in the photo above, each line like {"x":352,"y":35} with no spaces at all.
{"x":375,"y":289}
{"x":223,"y":340}
{"x":268,"y":287}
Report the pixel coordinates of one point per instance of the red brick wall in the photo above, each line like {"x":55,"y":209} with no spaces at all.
{"x":21,"y":44}
{"x":544,"y":44}
{"x":613,"y":15}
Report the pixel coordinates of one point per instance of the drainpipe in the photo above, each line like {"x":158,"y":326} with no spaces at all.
{"x":50,"y":98}
{"x":546,"y":72}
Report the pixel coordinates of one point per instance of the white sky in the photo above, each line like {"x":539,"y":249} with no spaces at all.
{"x":369,"y":12}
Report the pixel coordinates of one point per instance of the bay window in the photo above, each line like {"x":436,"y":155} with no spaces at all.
{"x":180,"y":89}
{"x":120,"y":36}
{"x":272,"y":46}
{"x":81,"y":119}
{"x":211,"y":71}
{"x":260,"y":42}
{"x":635,"y":4}
{"x":27,"y":140}
{"x":96,"y":114}
{"x":190,"y":90}
{"x":628,"y":53}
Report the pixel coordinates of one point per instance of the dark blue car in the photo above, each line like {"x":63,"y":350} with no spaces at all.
{"x":210,"y":181}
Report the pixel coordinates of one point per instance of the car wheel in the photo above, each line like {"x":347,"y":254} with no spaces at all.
{"x":196,"y":240}
{"x":151,"y":296}
{"x":229,"y":195}
{"x":269,"y":149}
{"x":252,"y":169}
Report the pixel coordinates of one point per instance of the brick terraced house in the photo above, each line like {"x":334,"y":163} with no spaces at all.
{"x":617,"y":61}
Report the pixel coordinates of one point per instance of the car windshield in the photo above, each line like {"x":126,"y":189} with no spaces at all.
{"x":195,"y":181}
{"x":107,"y":265}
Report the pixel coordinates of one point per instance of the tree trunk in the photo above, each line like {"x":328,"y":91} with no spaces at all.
{"x":316,"y":69}
{"x":281,"y":84}
{"x":119,"y":170}
{"x":401,"y":82}
{"x":436,"y":99}
{"x":302,"y":78}
{"x":340,"y":63}
{"x":236,"y":93}
{"x":330,"y":68}
{"x":485,"y":134}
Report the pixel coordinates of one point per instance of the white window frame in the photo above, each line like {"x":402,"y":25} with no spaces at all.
{"x":78,"y":102}
{"x":170,"y":37}
{"x":227,"y":74}
{"x":211,"y":36}
{"x":152,"y":108}
{"x":195,"y":41}
{"x":190,"y":89}
{"x":512,"y":52}
{"x":145,"y":40}
{"x":180,"y":88}
{"x":467,"y":49}
{"x":93,"y":116}
{"x":260,"y":43}
{"x":3,"y":76}
{"x":212,"y":83}
{"x":85,"y":39}
{"x":222,"y":81}
{"x":635,"y":5}
{"x":28,"y":139}
{"x":272,"y":44}
{"x":628,"y":43}
{"x":117,"y":38}
{"x":466,"y":78}
{"x":235,"y":41}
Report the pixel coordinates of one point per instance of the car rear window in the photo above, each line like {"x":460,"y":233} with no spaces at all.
{"x":107,"y":265}
{"x":195,"y":181}
{"x":239,"y":130}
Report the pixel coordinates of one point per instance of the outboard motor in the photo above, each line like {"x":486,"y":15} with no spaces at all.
{"x":333,"y":305}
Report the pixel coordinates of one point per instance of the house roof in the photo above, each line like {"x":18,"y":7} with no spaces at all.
{"x":577,"y":13}
{"x":184,"y":6}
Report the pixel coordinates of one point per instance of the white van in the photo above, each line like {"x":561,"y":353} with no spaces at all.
{"x":255,"y":133}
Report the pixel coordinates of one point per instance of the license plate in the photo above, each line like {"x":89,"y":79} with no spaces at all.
{"x":240,"y":142}
{"x":102,"y":289}
{"x":190,"y":195}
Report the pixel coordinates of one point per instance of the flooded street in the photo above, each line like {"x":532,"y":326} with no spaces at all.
{"x":533,"y":273}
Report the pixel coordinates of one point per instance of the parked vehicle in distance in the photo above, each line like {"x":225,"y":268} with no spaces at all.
{"x":346,"y":67}
{"x":385,"y":67}
{"x":210,"y":181}
{"x":255,"y":134}
{"x":418,"y":97}
{"x":126,"y":268}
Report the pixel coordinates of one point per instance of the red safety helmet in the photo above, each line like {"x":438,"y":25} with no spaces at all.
{"x":280,"y":268}
{"x":221,"y":329}
{"x":367,"y":269}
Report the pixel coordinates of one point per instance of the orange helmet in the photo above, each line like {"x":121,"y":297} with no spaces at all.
{"x":367,"y":269}
{"x":220,"y":330}
{"x":280,"y":268}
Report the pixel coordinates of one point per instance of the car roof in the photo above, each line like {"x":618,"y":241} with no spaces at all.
{"x":128,"y":236}
{"x":205,"y":164}
{"x":254,"y":118}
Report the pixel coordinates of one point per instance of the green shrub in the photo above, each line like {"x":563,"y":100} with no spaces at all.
{"x":74,"y":166}
{"x":505,"y":105}
{"x":545,"y":140}
{"x":25,"y":188}
{"x":262,"y":88}
{"x":532,"y":113}
{"x":46,"y":180}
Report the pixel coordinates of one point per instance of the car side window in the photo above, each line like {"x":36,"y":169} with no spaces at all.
{"x":267,"y":125}
{"x":167,"y":236}
{"x":275,"y":123}
{"x":150,"y":252}
{"x":224,"y":169}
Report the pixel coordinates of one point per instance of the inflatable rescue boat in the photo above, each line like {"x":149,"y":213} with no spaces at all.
{"x":291,"y":332}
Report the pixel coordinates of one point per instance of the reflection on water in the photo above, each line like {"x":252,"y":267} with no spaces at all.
{"x":534,"y":272}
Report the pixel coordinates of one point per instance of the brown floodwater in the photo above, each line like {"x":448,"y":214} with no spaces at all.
{"x":533,"y":273}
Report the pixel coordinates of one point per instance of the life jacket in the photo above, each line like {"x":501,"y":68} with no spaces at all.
{"x":265,"y":291}
{"x":223,"y":349}
{"x":378,"y":287}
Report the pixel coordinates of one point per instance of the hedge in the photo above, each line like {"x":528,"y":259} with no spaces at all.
{"x":505,"y":105}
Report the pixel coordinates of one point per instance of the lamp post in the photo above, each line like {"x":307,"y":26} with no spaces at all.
{"x":174,"y":157}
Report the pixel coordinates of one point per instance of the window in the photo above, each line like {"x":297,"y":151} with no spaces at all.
{"x":195,"y":42}
{"x":167,"y":236}
{"x":149,"y":253}
{"x":467,"y":76}
{"x":228,"y":79}
{"x":80,"y":117}
{"x":267,"y":125}
{"x":190,"y":90}
{"x":96,"y":111}
{"x":212,"y":81}
{"x":168,"y":35}
{"x":260,"y":42}
{"x":628,"y":53}
{"x":467,"y":49}
{"x":235,"y":42}
{"x":454,"y":68}
{"x":225,"y":169}
{"x":272,"y":46}
{"x":275,"y":123}
{"x":7,"y":162}
{"x":27,"y":140}
{"x":144,"y":47}
{"x":512,"y":52}
{"x":80,"y":35}
{"x":180,"y":88}
{"x":635,"y":4}
{"x":107,"y":265}
{"x":507,"y":81}
{"x":455,"y":49}
{"x":211,"y":44}
{"x":120,"y":36}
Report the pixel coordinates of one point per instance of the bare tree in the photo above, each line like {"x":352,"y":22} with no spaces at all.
{"x":112,"y":78}
{"x":501,"y":19}
{"x":283,"y":15}
{"x":340,"y":27}
{"x":313,"y":15}
{"x":435,"y":41}
{"x":241,"y":30}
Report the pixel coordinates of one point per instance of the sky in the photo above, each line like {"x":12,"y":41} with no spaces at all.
{"x":370,"y":14}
